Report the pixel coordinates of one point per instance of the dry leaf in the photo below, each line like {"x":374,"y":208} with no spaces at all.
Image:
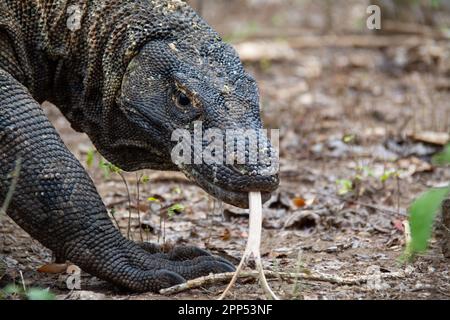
{"x":299,"y":202}
{"x":226,"y":235}
{"x":53,"y":268}
{"x":439,"y":138}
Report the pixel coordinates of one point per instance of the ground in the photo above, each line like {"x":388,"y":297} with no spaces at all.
{"x":350,"y":108}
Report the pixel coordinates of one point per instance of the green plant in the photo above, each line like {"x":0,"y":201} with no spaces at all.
{"x":344,"y":186}
{"x":422,"y":214}
{"x":388,"y":174}
{"x":442,"y":157}
{"x":173,"y":209}
{"x":90,"y":157}
{"x":108,"y":169}
{"x":423,"y":211}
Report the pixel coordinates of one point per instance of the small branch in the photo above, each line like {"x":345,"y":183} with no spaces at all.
{"x":368,"y":205}
{"x":138,"y":181}
{"x":112,"y":213}
{"x":224,"y":277}
{"x":129,"y":236}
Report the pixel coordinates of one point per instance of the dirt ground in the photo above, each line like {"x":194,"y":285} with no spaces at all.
{"x":349,"y":108}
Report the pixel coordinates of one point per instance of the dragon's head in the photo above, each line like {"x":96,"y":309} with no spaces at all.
{"x":191,"y":106}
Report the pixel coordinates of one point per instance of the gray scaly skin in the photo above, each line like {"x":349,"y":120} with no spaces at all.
{"x":127,"y":73}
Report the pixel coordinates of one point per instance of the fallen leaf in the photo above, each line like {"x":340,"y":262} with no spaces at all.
{"x":438,"y":138}
{"x":226,"y":235}
{"x":299,"y":202}
{"x":53,"y":268}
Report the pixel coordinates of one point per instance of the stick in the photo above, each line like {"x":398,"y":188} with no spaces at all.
{"x":222,"y":277}
{"x":372,"y":206}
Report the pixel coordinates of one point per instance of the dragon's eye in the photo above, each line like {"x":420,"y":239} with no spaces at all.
{"x":182,"y":100}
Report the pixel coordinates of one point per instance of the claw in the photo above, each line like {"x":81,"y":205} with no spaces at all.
{"x":168,"y":278}
{"x":186,"y":253}
{"x":223,"y":260}
{"x":205,"y":267}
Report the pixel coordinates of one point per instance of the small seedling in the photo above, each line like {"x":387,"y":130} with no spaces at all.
{"x":174,"y":209}
{"x":145,"y":179}
{"x":344,"y":186}
{"x":349,"y":138}
{"x":90,"y":157}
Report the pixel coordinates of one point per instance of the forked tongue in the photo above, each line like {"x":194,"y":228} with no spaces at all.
{"x":253,"y":247}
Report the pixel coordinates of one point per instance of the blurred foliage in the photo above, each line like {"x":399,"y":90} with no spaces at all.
{"x":423,"y":211}
{"x":15,"y":291}
{"x":443,"y":157}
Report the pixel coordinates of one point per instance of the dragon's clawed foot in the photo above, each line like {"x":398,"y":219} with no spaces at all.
{"x":183,"y":262}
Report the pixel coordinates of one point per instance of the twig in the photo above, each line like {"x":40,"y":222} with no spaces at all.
{"x":12,"y":188}
{"x":138,"y":204}
{"x":129,"y":204}
{"x":379,"y":208}
{"x":223,"y":277}
{"x":112,"y":213}
{"x":23,"y":281}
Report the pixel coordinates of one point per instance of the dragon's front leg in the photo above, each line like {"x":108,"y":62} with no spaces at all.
{"x":57,"y":203}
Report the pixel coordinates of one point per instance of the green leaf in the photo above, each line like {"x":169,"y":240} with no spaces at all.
{"x":145,"y":179}
{"x":104,"y":166}
{"x":90,"y":158}
{"x":40,"y":294}
{"x":442,"y":157}
{"x":422,"y":214}
{"x":109,"y":168}
{"x":114,"y":169}
{"x":152,"y":199}
{"x":387,"y":175}
{"x":176,"y":208}
{"x":345,"y":186}
{"x":348,"y":138}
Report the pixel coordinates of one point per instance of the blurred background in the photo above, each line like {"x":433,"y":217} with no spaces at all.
{"x":361,"y":114}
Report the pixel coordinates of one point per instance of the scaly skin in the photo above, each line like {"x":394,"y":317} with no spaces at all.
{"x":128,"y":74}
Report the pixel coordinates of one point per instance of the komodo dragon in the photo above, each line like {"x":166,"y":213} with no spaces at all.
{"x":127,"y":73}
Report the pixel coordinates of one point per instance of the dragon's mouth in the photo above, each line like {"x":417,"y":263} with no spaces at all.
{"x":233,"y":197}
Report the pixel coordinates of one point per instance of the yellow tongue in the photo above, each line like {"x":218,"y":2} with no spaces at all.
{"x":253,"y":244}
{"x":255,"y":225}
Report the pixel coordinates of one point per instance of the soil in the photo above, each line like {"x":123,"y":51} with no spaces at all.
{"x":345,"y":113}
